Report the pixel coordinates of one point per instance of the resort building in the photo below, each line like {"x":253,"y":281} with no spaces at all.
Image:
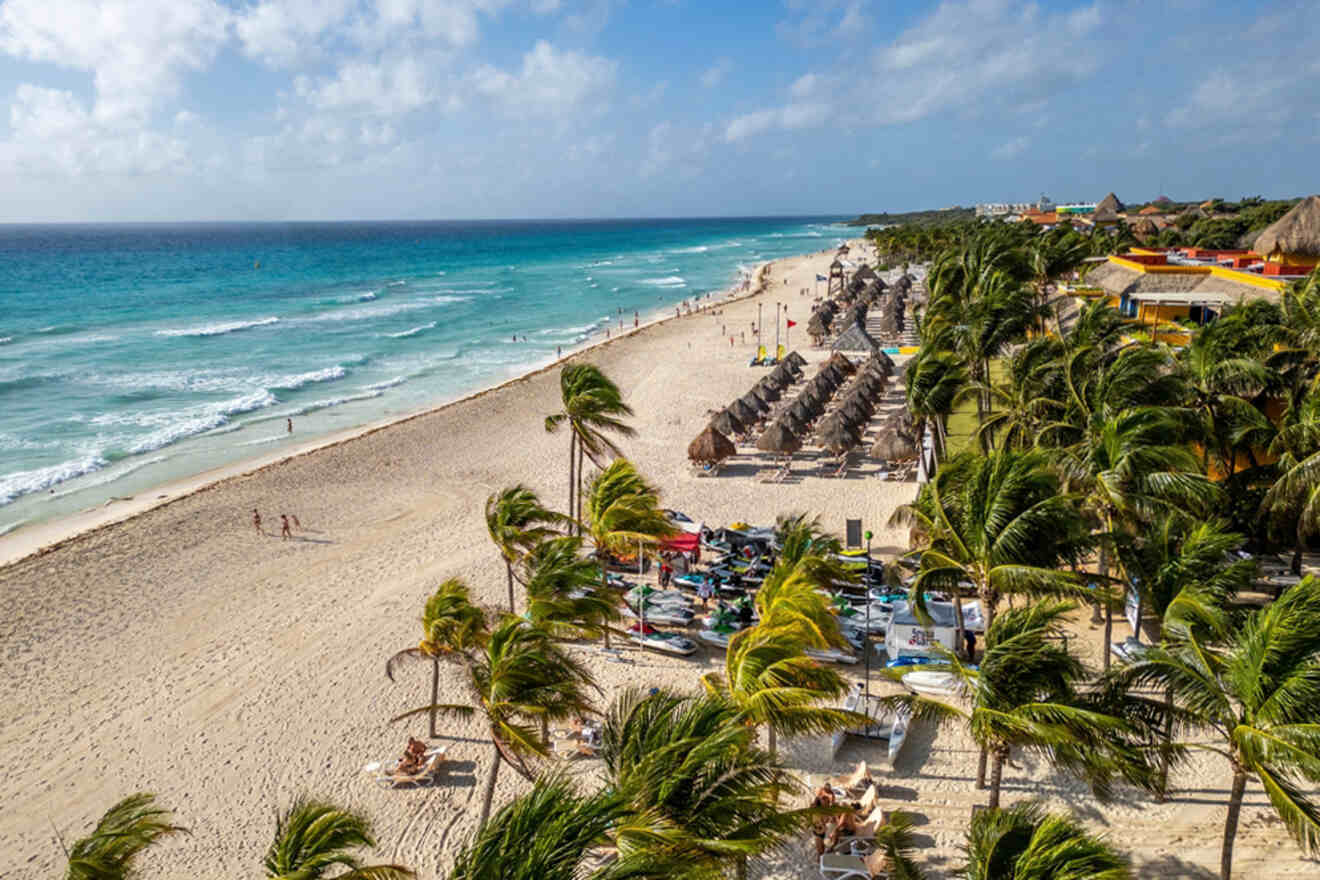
{"x":1291,"y":245}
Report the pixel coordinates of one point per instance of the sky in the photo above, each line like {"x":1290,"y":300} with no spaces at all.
{"x":166,"y":110}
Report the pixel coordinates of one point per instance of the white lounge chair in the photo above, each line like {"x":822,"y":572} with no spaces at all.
{"x":848,"y":867}
{"x":387,"y":778}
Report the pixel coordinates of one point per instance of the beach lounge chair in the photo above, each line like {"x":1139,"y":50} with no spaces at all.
{"x":709,"y":469}
{"x":386,"y":778}
{"x":847,"y":867}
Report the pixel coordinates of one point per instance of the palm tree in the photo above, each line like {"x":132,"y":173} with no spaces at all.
{"x":314,"y":838}
{"x":1257,"y":693}
{"x":997,"y":523}
{"x":550,"y":833}
{"x":560,"y":590}
{"x":1221,"y":382}
{"x":773,"y":684}
{"x":1026,"y":400}
{"x":452,"y":627}
{"x":1024,"y":842}
{"x":126,"y":829}
{"x":520,"y":675}
{"x":622,"y":515}
{"x":697,"y":788}
{"x":592,"y":406}
{"x":1027,"y":693}
{"x":932,"y":381}
{"x":516,"y":522}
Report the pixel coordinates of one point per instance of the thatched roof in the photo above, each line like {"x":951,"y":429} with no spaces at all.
{"x":866,"y":273}
{"x":711,"y":445}
{"x":797,"y":358}
{"x":892,"y":446}
{"x":744,"y":412}
{"x":767,"y":391}
{"x":1150,"y":209}
{"x":838,"y":360}
{"x":1119,"y":280}
{"x":855,"y":338}
{"x":1110,"y":205}
{"x":1145,"y":228}
{"x":755,"y":402}
{"x":804,"y":410}
{"x":727,"y":423}
{"x":778,"y":439}
{"x":1295,"y":234}
{"x":797,"y":425}
{"x":836,"y":437}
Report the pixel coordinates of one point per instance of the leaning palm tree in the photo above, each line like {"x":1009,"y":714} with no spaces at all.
{"x":452,"y":627}
{"x":1027,"y":694}
{"x":1024,"y":842}
{"x":516,"y":522}
{"x":1257,"y":695}
{"x":561,"y":590}
{"x":592,"y":407}
{"x":775,"y":685}
{"x":314,"y":838}
{"x":554,"y":833}
{"x":520,"y":675}
{"x":121,"y":835}
{"x":622,"y":516}
{"x":999,"y":524}
{"x":698,"y":790}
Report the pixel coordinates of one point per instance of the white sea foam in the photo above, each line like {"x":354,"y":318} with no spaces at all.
{"x":299,"y":380}
{"x":112,"y":474}
{"x":9,"y":527}
{"x":404,"y":334}
{"x":396,"y":284}
{"x":667,"y":281}
{"x":699,"y":249}
{"x":335,"y":401}
{"x":200,"y":419}
{"x":4,"y":340}
{"x":260,"y":441}
{"x":21,"y":483}
{"x":446,"y":299}
{"x":218,"y":329}
{"x":389,"y":383}
{"x":366,"y":313}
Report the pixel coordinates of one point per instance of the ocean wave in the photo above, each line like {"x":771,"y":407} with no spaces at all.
{"x":260,"y":441}
{"x":199,"y":420}
{"x":9,"y":527}
{"x":15,"y":485}
{"x":296,"y":381}
{"x":218,"y":329}
{"x":335,"y":401}
{"x":396,"y":284}
{"x":367,"y":313}
{"x":5,"y":340}
{"x":58,"y":328}
{"x":699,"y":249}
{"x":111,"y":475}
{"x":446,"y":299}
{"x":420,"y":328}
{"x":388,"y":383}
{"x":13,"y":442}
{"x":667,"y":281}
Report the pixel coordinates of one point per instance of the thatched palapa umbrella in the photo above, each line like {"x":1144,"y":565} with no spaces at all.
{"x":803,"y":411}
{"x":754,"y":402}
{"x":836,"y":437}
{"x":792,"y":422}
{"x":778,"y":439}
{"x":767,"y":391}
{"x":1295,"y":234}
{"x":744,"y":412}
{"x":892,"y":446}
{"x":838,"y":361}
{"x":727,"y":423}
{"x":711,"y":446}
{"x":797,"y":358}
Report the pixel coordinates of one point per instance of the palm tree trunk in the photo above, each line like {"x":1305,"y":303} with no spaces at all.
{"x":1165,"y":749}
{"x":770,"y":737}
{"x":741,"y":868}
{"x":572,"y":483}
{"x":980,"y":768}
{"x":578,"y":517}
{"x":490,"y":790}
{"x":1109,"y":631}
{"x":960,"y":628}
{"x":997,"y":776}
{"x":435,"y":692}
{"x":989,"y":599}
{"x":508,"y":570}
{"x":1104,"y":579}
{"x":604,"y":591}
{"x":1230,"y":826}
{"x":1299,"y":546}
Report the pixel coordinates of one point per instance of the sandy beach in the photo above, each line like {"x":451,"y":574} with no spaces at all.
{"x":178,"y":651}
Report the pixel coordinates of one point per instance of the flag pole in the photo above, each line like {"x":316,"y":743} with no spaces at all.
{"x":758,"y":328}
{"x":777,"y":305}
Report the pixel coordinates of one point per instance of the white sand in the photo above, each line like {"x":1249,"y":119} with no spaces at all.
{"x":179,"y":652}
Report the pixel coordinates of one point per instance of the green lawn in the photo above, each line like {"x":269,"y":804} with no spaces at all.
{"x":962,"y":421}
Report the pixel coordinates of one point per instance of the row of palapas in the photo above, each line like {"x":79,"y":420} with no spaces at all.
{"x":830,"y":408}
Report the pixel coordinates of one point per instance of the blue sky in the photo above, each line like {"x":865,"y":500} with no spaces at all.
{"x":378,"y":109}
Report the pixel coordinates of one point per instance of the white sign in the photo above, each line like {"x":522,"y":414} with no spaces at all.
{"x":903,"y":640}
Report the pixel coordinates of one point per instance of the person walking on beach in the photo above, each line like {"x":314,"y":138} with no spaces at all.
{"x":635,"y":319}
{"x":256,"y":522}
{"x":285,"y":533}
{"x":290,"y":421}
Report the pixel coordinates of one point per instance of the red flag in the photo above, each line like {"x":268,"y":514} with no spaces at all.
{"x":792,"y":323}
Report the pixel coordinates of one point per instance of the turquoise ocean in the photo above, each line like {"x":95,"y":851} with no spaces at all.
{"x":133,"y":355}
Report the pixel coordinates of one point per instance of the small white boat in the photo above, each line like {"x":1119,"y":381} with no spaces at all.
{"x":831,"y":655}
{"x":898,"y":732}
{"x":1129,"y":650}
{"x":667,"y":615}
{"x":932,"y":682}
{"x":657,"y":597}
{"x":670,"y":643}
{"x":718,"y":638}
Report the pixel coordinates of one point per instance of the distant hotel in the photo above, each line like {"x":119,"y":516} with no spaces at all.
{"x":1023,"y":210}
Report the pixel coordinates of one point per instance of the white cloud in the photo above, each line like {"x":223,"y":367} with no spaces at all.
{"x":805,"y":86}
{"x":792,"y":116}
{"x":54,"y":134}
{"x":136,"y":50}
{"x":818,"y":22}
{"x":280,"y":33}
{"x":1011,"y":149}
{"x":668,"y":149}
{"x":715,"y":74}
{"x":967,"y":52}
{"x":390,"y":87}
{"x":550,"y":80}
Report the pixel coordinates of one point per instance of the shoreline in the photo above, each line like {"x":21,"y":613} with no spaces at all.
{"x":38,"y":539}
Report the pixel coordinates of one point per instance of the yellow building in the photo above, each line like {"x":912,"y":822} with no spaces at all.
{"x":1291,"y":244}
